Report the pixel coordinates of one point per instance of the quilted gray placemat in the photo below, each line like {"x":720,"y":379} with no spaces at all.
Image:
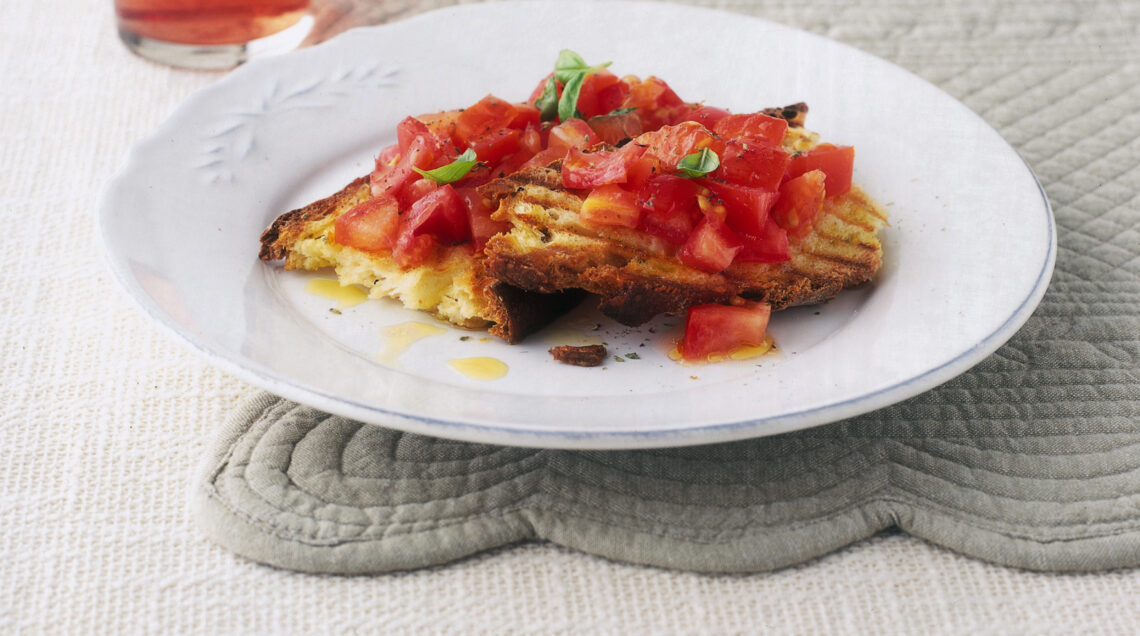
{"x":293,"y":487}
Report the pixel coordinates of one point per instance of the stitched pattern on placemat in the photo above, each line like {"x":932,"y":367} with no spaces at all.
{"x":580,"y":491}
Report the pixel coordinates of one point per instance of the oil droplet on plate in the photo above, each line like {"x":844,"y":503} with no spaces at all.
{"x":480,"y":368}
{"x":398,"y":338}
{"x":344,"y":295}
{"x":743,"y":352}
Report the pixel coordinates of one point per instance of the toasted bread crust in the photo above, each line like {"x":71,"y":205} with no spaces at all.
{"x":282,"y":235}
{"x":455,"y":278}
{"x":795,"y":114}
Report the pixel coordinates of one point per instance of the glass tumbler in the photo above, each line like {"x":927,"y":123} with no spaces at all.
{"x":211,"y":34}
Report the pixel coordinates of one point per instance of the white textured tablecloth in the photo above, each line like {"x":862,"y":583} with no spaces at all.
{"x":104,"y":419}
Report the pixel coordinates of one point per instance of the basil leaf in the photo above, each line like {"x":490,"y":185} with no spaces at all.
{"x":698,"y":164}
{"x":453,"y":171}
{"x":547,"y":104}
{"x":568,"y":105}
{"x":622,"y":111}
{"x":570,"y":64}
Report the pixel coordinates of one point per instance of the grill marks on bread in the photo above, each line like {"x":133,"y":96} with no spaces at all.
{"x":638,"y":276}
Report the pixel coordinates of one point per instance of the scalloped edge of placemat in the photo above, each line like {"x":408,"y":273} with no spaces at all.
{"x":256,"y":531}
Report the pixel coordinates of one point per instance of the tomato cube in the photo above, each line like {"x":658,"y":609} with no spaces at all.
{"x":413,"y":191}
{"x":591,"y":169}
{"x":479,"y":218}
{"x":669,"y":207}
{"x":837,"y":162}
{"x":757,"y":126}
{"x":389,"y":180}
{"x":440,"y":213}
{"x":371,"y":226}
{"x":610,"y":98}
{"x":671,"y":144}
{"x":442,"y":125}
{"x":706,"y":116}
{"x":525,"y":115}
{"x":616,"y":128}
{"x":769,"y":246}
{"x":745,"y":209}
{"x":719,"y":330}
{"x":711,"y":246}
{"x":594,"y":86}
{"x":611,"y":205}
{"x":491,"y":147}
{"x":485,"y":116}
{"x":800,"y":202}
{"x":643,"y":169}
{"x":757,"y":164}
{"x":572,"y":133}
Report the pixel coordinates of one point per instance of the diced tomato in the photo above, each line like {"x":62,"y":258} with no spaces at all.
{"x":655,"y":103}
{"x":752,"y":126}
{"x":745,"y":209}
{"x":388,"y":155}
{"x":710,"y":247}
{"x":612,"y":97}
{"x":509,"y":165}
{"x":485,"y":116}
{"x":718,"y":330}
{"x":413,"y":250}
{"x":371,"y":226}
{"x":671,"y":144}
{"x":582,"y":170}
{"x":442,"y":125}
{"x":420,"y":147}
{"x":479,"y":218}
{"x":644,"y":168}
{"x":408,"y":130}
{"x":572,"y":133}
{"x":770,"y":246}
{"x":531,"y":140}
{"x":441,"y":213}
{"x":438,"y":218}
{"x":417,"y":147}
{"x":753,"y":163}
{"x":611,"y":205}
{"x":390,"y":179}
{"x":706,"y":116}
{"x":593,"y":86}
{"x":799,"y":204}
{"x":669,"y":207}
{"x":414,"y":191}
{"x":544,"y":158}
{"x":491,"y":147}
{"x":525,"y":115}
{"x":837,"y":162}
{"x":651,"y":94}
{"x":613,"y":129}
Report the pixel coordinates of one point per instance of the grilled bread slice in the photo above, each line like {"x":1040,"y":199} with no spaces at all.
{"x":638,"y":276}
{"x":452,"y":285}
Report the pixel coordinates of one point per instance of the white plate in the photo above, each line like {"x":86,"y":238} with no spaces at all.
{"x":969,"y":251}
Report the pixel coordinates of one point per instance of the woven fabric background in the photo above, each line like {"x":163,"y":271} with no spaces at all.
{"x":104,"y":420}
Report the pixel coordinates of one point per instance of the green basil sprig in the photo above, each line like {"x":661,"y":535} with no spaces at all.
{"x":568,"y":105}
{"x":570,"y":64}
{"x":547,"y":104}
{"x":698,"y":164}
{"x":571,"y":70}
{"x":453,"y":171}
